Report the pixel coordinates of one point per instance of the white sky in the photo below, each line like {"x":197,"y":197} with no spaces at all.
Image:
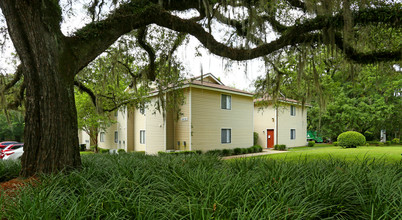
{"x":235,"y":74}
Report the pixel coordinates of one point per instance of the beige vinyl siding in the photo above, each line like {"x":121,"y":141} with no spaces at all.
{"x":130,"y":130}
{"x":209,"y":79}
{"x":155,"y":130}
{"x":182,"y":125}
{"x":139,"y":124}
{"x":125,"y":126}
{"x":287,"y":122}
{"x":264,"y":118}
{"x":83,"y":138}
{"x":109,"y":136}
{"x":208,"y":119}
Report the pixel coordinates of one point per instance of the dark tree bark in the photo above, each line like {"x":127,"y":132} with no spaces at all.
{"x":51,"y":141}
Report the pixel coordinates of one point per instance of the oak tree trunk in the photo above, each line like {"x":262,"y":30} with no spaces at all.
{"x":51,"y":138}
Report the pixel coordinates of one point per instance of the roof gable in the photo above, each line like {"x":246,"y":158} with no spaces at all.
{"x":208,"y":78}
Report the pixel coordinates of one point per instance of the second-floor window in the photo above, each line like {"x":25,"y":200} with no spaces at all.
{"x":226,"y":102}
{"x":102,"y":137}
{"x":292,"y":110}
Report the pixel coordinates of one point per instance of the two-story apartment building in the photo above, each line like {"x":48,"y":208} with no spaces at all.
{"x":284,"y":123}
{"x":213,"y":116}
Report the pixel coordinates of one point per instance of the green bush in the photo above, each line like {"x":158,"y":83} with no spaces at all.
{"x":388,"y":143}
{"x":92,"y":147}
{"x":186,"y":152}
{"x":103,"y":151}
{"x":214,"y":152}
{"x":280,"y":147}
{"x":255,"y":138}
{"x":199,"y":152}
{"x":381,"y":144}
{"x":311,"y":143}
{"x":121,"y":151}
{"x":83,"y":147}
{"x":244,"y":150}
{"x":335,"y":143}
{"x":351,"y":139}
{"x":227,"y":152}
{"x":237,"y":151}
{"x":250,"y":150}
{"x":258,"y":147}
{"x":396,"y":141}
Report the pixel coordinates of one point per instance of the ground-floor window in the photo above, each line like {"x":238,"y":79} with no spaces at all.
{"x":226,"y":136}
{"x":142,"y":137}
{"x":292,"y":134}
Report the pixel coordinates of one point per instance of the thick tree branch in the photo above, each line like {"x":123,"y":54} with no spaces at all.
{"x":367,"y":57}
{"x":141,"y":35}
{"x":17,"y":77}
{"x":293,"y":36}
{"x":87,"y":90}
{"x":91,"y":40}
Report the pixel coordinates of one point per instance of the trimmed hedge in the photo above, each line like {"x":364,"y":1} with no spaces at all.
{"x":121,"y":151}
{"x":236,"y":151}
{"x":280,"y":147}
{"x":335,"y":143}
{"x":311,"y":143}
{"x":351,"y":139}
{"x":178,"y":152}
{"x":103,"y":151}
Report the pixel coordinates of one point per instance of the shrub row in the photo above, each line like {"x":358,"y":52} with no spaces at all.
{"x":180,"y":152}
{"x":236,"y":151}
{"x":280,"y":147}
{"x":311,"y":143}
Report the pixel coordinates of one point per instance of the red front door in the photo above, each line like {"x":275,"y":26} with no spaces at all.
{"x":270,"y":138}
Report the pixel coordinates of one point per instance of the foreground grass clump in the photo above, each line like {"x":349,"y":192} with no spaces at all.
{"x":9,"y":169}
{"x":131,"y":186}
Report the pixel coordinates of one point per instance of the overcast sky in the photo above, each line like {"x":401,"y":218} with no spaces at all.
{"x":237,"y":74}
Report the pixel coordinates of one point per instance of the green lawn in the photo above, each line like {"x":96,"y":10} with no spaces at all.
{"x":319,"y":151}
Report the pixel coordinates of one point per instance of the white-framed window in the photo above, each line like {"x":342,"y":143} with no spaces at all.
{"x":226,"y":135}
{"x":226,"y":102}
{"x":102,"y":136}
{"x":293,"y":110}
{"x":142,"y":136}
{"x":292,"y":134}
{"x":116,"y":137}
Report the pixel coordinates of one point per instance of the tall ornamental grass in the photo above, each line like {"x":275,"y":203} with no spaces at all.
{"x":134,"y":186}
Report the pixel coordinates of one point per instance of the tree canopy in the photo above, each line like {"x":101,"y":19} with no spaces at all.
{"x":238,"y":30}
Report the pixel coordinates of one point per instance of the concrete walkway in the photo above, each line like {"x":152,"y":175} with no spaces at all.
{"x":265,"y":151}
